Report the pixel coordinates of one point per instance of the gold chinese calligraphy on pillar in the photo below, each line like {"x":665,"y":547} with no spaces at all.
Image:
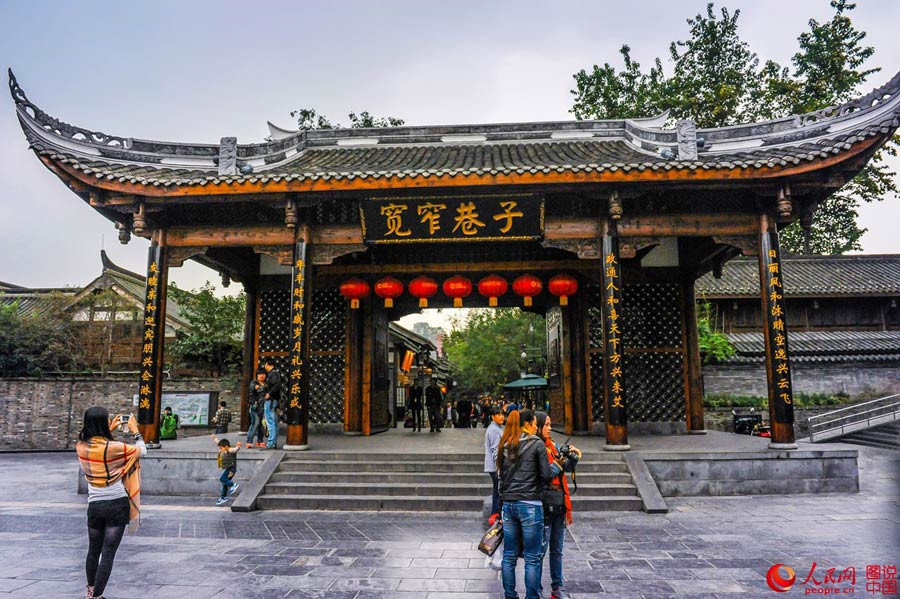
{"x":778,"y":366}
{"x":614,"y":351}
{"x":298,"y":371}
{"x":152,"y":340}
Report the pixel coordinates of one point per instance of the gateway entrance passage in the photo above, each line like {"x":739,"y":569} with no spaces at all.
{"x":627,"y":213}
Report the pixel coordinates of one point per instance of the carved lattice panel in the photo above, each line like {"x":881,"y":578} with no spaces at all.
{"x":326,"y":389}
{"x":327,"y":338}
{"x":274,"y":321}
{"x":652,"y":315}
{"x":596,"y":390}
{"x":654,"y":383}
{"x":654,"y":380}
{"x":328,"y":316}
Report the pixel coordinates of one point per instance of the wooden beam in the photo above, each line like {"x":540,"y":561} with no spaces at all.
{"x":229,"y":236}
{"x":443,"y":267}
{"x":470,"y":180}
{"x":687,"y":225}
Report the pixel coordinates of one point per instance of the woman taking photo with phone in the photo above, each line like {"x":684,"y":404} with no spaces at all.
{"x":112,"y":471}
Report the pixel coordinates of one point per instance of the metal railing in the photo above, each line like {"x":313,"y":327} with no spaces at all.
{"x":852,"y":416}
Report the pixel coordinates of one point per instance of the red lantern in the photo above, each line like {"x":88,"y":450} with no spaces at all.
{"x":423,"y":288}
{"x":492,"y":287}
{"x":527,"y":286}
{"x":457,"y":287}
{"x":354,"y":290}
{"x":563,"y":286}
{"x":388,"y":288}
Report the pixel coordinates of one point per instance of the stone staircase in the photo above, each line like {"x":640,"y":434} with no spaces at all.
{"x":885,"y":436}
{"x":424,"y":482}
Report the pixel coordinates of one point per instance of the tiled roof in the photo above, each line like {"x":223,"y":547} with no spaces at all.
{"x":628,"y":145}
{"x":34,"y":302}
{"x":810,"y":276}
{"x":823,"y":346}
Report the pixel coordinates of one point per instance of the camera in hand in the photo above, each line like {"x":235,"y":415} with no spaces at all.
{"x":570,"y":458}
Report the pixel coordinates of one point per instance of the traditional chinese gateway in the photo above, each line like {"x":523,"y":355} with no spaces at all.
{"x":602,"y":226}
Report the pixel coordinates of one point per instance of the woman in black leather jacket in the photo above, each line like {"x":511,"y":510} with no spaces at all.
{"x":524,"y":472}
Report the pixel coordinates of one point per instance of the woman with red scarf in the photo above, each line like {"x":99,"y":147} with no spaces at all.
{"x":555,"y":524}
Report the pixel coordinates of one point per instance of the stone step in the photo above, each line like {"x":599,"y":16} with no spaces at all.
{"x":319,"y":457}
{"x":424,"y":504}
{"x":424,"y":490}
{"x":331,"y":466}
{"x":870,"y":443}
{"x":425,"y":477}
{"x":884,"y":436}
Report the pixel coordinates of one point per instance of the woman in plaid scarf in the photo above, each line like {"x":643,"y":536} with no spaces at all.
{"x":113,"y":473}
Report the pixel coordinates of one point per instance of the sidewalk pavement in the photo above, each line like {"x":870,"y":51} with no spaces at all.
{"x":704,"y":547}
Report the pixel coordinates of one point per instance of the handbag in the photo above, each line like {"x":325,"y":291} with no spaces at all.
{"x":491,"y":539}
{"x":554,"y":500}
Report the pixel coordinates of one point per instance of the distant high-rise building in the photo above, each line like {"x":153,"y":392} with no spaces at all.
{"x":433,"y":334}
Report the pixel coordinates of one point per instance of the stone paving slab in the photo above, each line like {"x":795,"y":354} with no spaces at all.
{"x":705,"y":547}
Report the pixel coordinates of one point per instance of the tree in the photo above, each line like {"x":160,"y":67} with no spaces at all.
{"x":103,"y":309}
{"x":213,"y":335}
{"x":309,"y":118}
{"x":718,"y":81}
{"x":487,"y":346}
{"x":38,"y":343}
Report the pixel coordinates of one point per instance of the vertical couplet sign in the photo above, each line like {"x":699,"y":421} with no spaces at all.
{"x":153,"y":338}
{"x":778,"y":368}
{"x":298,"y":372}
{"x":613,"y":355}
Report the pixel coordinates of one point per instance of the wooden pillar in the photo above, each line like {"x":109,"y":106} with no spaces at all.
{"x":368,"y":344}
{"x":575,"y":319}
{"x":153,"y":341}
{"x":613,"y":352}
{"x":693,"y":383}
{"x":353,"y":372}
{"x":566,"y":362}
{"x":298,"y":370}
{"x":248,"y":372}
{"x":778,"y":363}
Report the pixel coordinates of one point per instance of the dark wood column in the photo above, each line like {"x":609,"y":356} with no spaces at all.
{"x":353,"y":372}
{"x":613,"y":352}
{"x":248,"y":372}
{"x":693,"y":381}
{"x":298,"y":371}
{"x":581,"y":421}
{"x":153,"y":341}
{"x":778,"y":362}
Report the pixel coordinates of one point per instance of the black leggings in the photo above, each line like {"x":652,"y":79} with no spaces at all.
{"x":105,"y":530}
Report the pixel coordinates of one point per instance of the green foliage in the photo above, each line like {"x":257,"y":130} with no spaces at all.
{"x":487,"y":346}
{"x":718,"y":81}
{"x":214,"y":332}
{"x":801,"y":400}
{"x":309,"y":118}
{"x":103,"y":305}
{"x":714,"y":346}
{"x":38,"y":344}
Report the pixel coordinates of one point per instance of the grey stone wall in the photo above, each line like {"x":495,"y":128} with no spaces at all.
{"x":47,"y":414}
{"x":754,"y":473}
{"x":853,"y":378}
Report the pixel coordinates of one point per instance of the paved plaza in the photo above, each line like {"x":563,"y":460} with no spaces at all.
{"x":704,"y":547}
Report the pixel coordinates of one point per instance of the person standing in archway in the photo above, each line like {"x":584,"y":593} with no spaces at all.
{"x":273,"y":400}
{"x":433,"y":400}
{"x":415,"y":406}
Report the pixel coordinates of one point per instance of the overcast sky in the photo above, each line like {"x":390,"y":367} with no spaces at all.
{"x":197,"y":71}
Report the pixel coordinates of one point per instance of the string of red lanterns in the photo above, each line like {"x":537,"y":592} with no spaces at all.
{"x":457,"y":287}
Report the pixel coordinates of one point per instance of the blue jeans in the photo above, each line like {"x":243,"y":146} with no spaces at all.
{"x":254,"y":425}
{"x":495,"y":493}
{"x":226,"y":481}
{"x":523,"y":527}
{"x":554,"y":538}
{"x":272,"y":424}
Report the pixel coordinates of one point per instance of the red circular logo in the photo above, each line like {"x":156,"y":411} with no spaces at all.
{"x":777,"y":581}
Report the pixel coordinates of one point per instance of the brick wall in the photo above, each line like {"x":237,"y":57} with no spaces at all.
{"x":46,"y":414}
{"x":851,"y":378}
